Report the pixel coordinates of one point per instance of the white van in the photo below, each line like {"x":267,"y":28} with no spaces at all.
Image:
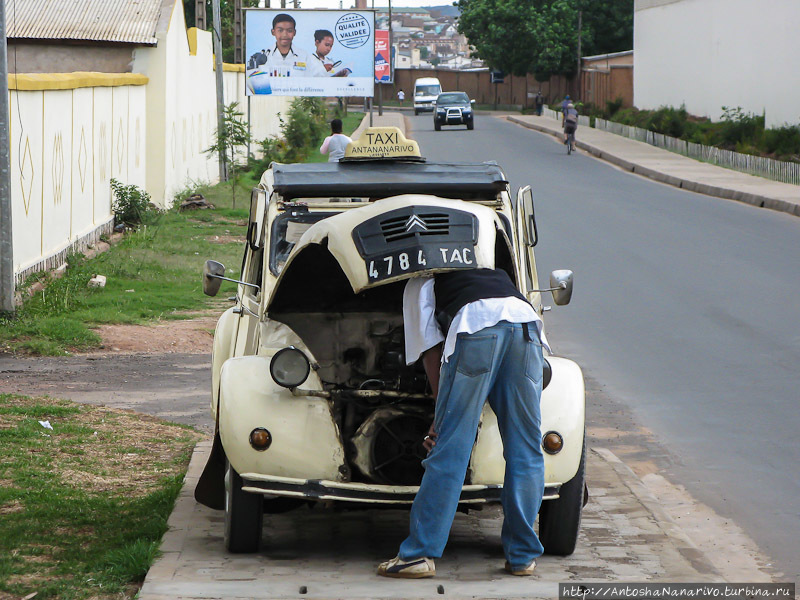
{"x":426,"y":89}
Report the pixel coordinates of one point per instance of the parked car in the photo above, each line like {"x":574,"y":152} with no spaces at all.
{"x":453,"y":108}
{"x":311,"y":395}
{"x":426,"y":89}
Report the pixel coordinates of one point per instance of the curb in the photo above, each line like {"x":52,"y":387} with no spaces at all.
{"x":666,"y":523}
{"x":685,"y":184}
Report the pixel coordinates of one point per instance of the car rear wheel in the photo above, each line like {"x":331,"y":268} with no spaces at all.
{"x":244,"y":515}
{"x":436,"y":125}
{"x":560,"y":520}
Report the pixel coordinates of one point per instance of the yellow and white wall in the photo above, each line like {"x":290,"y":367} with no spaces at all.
{"x":71,"y":133}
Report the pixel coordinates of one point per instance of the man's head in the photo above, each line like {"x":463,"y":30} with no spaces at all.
{"x":283,"y":28}
{"x":323,"y":40}
{"x":336,"y":126}
{"x":567,"y":98}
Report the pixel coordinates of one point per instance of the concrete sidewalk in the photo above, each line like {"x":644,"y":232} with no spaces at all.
{"x":329,"y":554}
{"x":674,"y":169}
{"x":387,"y":119}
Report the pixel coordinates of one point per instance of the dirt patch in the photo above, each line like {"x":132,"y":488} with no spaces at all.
{"x":193,"y":336}
{"x":12,"y":507}
{"x":226,"y":239}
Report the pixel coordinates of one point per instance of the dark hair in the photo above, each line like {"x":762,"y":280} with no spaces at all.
{"x":336,"y":126}
{"x":282,"y":18}
{"x":321,"y":34}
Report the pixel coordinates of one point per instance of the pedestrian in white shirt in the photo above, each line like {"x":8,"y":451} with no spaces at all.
{"x":401,"y":95}
{"x":336,"y":143}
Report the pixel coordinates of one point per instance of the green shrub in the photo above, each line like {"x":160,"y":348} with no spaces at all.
{"x":739,"y":128}
{"x":612,"y":108}
{"x":783,"y":142}
{"x":272,"y":150}
{"x":305,"y":126}
{"x":132,"y":205}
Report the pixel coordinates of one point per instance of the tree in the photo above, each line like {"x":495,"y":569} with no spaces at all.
{"x":607,"y":26}
{"x":541,"y":36}
{"x":226,"y":20}
{"x":234,"y":135}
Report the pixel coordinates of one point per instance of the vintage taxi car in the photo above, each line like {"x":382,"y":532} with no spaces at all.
{"x":311,"y":396}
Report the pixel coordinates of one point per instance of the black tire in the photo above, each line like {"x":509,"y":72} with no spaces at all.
{"x":569,"y":146}
{"x":470,"y":124}
{"x":244,"y":515}
{"x":416,"y":112}
{"x":436,"y":125}
{"x":560,"y":520}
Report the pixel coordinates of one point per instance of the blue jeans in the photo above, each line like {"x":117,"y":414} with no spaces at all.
{"x":498,"y":364}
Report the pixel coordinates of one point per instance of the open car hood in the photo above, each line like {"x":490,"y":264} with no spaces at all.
{"x":386,"y":241}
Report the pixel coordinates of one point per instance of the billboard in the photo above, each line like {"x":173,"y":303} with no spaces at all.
{"x":310,"y":52}
{"x":383,"y":68}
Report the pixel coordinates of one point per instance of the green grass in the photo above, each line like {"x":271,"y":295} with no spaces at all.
{"x":83,"y":506}
{"x":153,"y":273}
{"x":349,"y":124}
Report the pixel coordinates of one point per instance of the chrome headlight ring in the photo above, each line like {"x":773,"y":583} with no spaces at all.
{"x":289,"y":367}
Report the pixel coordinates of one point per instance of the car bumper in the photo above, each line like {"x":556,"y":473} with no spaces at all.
{"x":317,"y":489}
{"x":428,"y":106}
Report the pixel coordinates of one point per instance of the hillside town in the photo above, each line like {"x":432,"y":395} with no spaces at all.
{"x":427,"y":38}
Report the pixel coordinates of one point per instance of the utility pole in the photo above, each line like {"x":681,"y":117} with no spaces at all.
{"x":200,"y":14}
{"x":6,"y":233}
{"x":391,"y":48}
{"x":238,"y":33}
{"x":217,"y":36}
{"x":580,"y":65}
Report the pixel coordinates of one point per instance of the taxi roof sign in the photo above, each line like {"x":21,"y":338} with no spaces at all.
{"x":382,"y":143}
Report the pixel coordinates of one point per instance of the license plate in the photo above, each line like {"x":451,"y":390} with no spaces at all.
{"x":430,"y":256}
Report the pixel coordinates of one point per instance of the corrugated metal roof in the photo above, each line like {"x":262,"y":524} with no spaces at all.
{"x":126,"y":21}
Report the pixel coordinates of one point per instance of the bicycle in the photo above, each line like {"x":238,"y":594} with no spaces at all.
{"x":570,"y":142}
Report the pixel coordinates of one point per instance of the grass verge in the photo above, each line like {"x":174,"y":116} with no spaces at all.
{"x":83,"y":505}
{"x":153,"y":273}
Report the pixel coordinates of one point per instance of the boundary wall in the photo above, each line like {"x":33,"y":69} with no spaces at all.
{"x":71,"y":133}
{"x":706,"y":54}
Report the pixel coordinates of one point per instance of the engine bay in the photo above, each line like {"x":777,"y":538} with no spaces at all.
{"x":382,"y":407}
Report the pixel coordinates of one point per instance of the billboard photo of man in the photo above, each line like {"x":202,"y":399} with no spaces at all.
{"x":280,"y":65}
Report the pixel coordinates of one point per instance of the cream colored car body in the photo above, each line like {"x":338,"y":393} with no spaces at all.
{"x":307,"y":444}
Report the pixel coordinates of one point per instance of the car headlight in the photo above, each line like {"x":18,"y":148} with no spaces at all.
{"x":289,"y":367}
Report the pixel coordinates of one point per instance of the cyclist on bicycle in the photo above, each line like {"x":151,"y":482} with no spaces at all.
{"x":570,"y":122}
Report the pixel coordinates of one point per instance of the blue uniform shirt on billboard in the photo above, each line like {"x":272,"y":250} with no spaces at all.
{"x":282,"y":52}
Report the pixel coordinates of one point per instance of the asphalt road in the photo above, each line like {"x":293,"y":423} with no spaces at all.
{"x":685,"y":308}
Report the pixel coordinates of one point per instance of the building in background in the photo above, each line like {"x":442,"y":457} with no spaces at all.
{"x":427,"y":37}
{"x":706,"y":54}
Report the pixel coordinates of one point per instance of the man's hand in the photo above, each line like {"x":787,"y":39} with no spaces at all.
{"x":429,"y":441}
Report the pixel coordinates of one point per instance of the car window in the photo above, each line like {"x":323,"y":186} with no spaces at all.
{"x":428,"y":90}
{"x":451,"y":98}
{"x":287,"y":229}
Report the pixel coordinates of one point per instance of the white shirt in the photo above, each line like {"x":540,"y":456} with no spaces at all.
{"x":422,"y":331}
{"x":335,"y":145}
{"x":296,"y":63}
{"x":401,"y":95}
